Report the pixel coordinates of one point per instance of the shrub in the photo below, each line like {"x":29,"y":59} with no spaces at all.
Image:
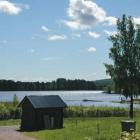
{"x":4,"y":112}
{"x":15,"y":100}
{"x":130,"y":136}
{"x":8,"y":111}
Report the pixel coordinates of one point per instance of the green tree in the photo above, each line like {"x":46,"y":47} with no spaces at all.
{"x":125,"y":54}
{"x":60,"y":83}
{"x":15,"y":100}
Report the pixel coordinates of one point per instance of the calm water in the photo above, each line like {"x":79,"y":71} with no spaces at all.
{"x":72,"y":97}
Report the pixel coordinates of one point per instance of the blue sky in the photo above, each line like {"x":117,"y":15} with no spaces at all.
{"x":47,"y":39}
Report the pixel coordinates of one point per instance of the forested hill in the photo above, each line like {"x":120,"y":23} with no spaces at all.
{"x":103,"y":83}
{"x":59,"y":84}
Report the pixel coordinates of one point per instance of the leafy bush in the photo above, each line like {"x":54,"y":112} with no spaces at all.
{"x":4,"y":112}
{"x":130,"y":136}
{"x":9,"y":110}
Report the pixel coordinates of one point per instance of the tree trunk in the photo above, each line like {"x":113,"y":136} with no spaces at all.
{"x":131,"y":115}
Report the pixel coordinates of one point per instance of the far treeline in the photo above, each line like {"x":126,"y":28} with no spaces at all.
{"x":59,"y":84}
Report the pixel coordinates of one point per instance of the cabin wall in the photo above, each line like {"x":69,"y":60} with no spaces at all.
{"x":28,"y":116}
{"x":55,"y":113}
{"x":41,"y":118}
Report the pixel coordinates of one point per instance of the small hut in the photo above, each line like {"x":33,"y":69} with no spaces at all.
{"x":42,"y":112}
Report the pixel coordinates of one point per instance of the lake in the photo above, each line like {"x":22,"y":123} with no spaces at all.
{"x":72,"y":97}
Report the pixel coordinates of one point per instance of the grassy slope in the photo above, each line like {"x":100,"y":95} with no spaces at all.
{"x":9,"y":122}
{"x":79,"y":129}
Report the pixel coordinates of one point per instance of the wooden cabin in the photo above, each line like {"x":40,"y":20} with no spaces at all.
{"x":42,"y":112}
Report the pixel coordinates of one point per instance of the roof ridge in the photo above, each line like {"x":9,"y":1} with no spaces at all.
{"x":41,"y":95}
{"x":42,"y":101}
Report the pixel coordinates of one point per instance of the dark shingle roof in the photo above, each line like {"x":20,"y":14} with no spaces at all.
{"x":48,"y":101}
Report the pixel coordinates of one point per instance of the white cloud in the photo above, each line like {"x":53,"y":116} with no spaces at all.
{"x":50,"y":58}
{"x":85,"y":14}
{"x":111,"y":21}
{"x":44,"y":28}
{"x":110,"y":33}
{"x":137,"y":22}
{"x":91,"y":49}
{"x":75,"y":25}
{"x":93,"y":34}
{"x":57,"y":37}
{"x":10,"y":8}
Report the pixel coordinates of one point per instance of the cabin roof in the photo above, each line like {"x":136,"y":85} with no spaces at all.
{"x":48,"y":101}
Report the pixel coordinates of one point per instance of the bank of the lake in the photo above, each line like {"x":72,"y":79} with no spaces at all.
{"x":11,"y":110}
{"x":73,"y":98}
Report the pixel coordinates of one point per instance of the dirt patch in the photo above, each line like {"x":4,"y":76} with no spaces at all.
{"x":11,"y":133}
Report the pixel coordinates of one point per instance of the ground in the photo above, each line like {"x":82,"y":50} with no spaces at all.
{"x":11,"y":133}
{"x":103,"y":128}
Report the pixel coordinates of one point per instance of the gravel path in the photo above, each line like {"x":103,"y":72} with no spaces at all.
{"x":10,"y":133}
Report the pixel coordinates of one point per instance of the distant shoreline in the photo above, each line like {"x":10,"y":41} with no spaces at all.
{"x":136,"y":101}
{"x":57,"y":85}
{"x":47,"y":90}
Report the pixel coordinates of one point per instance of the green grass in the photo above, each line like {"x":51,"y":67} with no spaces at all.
{"x":9,"y":122}
{"x":84,"y":129}
{"x":102,"y":128}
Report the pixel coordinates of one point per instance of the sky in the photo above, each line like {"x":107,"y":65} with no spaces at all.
{"x":43,"y":40}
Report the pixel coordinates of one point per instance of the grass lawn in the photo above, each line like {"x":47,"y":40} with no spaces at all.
{"x":9,"y":122}
{"x":84,"y":129}
{"x":107,"y":128}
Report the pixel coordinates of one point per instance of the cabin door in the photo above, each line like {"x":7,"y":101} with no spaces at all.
{"x":49,"y":121}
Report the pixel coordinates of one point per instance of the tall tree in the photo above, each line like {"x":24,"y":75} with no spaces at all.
{"x":15,"y":100}
{"x":125,"y":54}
